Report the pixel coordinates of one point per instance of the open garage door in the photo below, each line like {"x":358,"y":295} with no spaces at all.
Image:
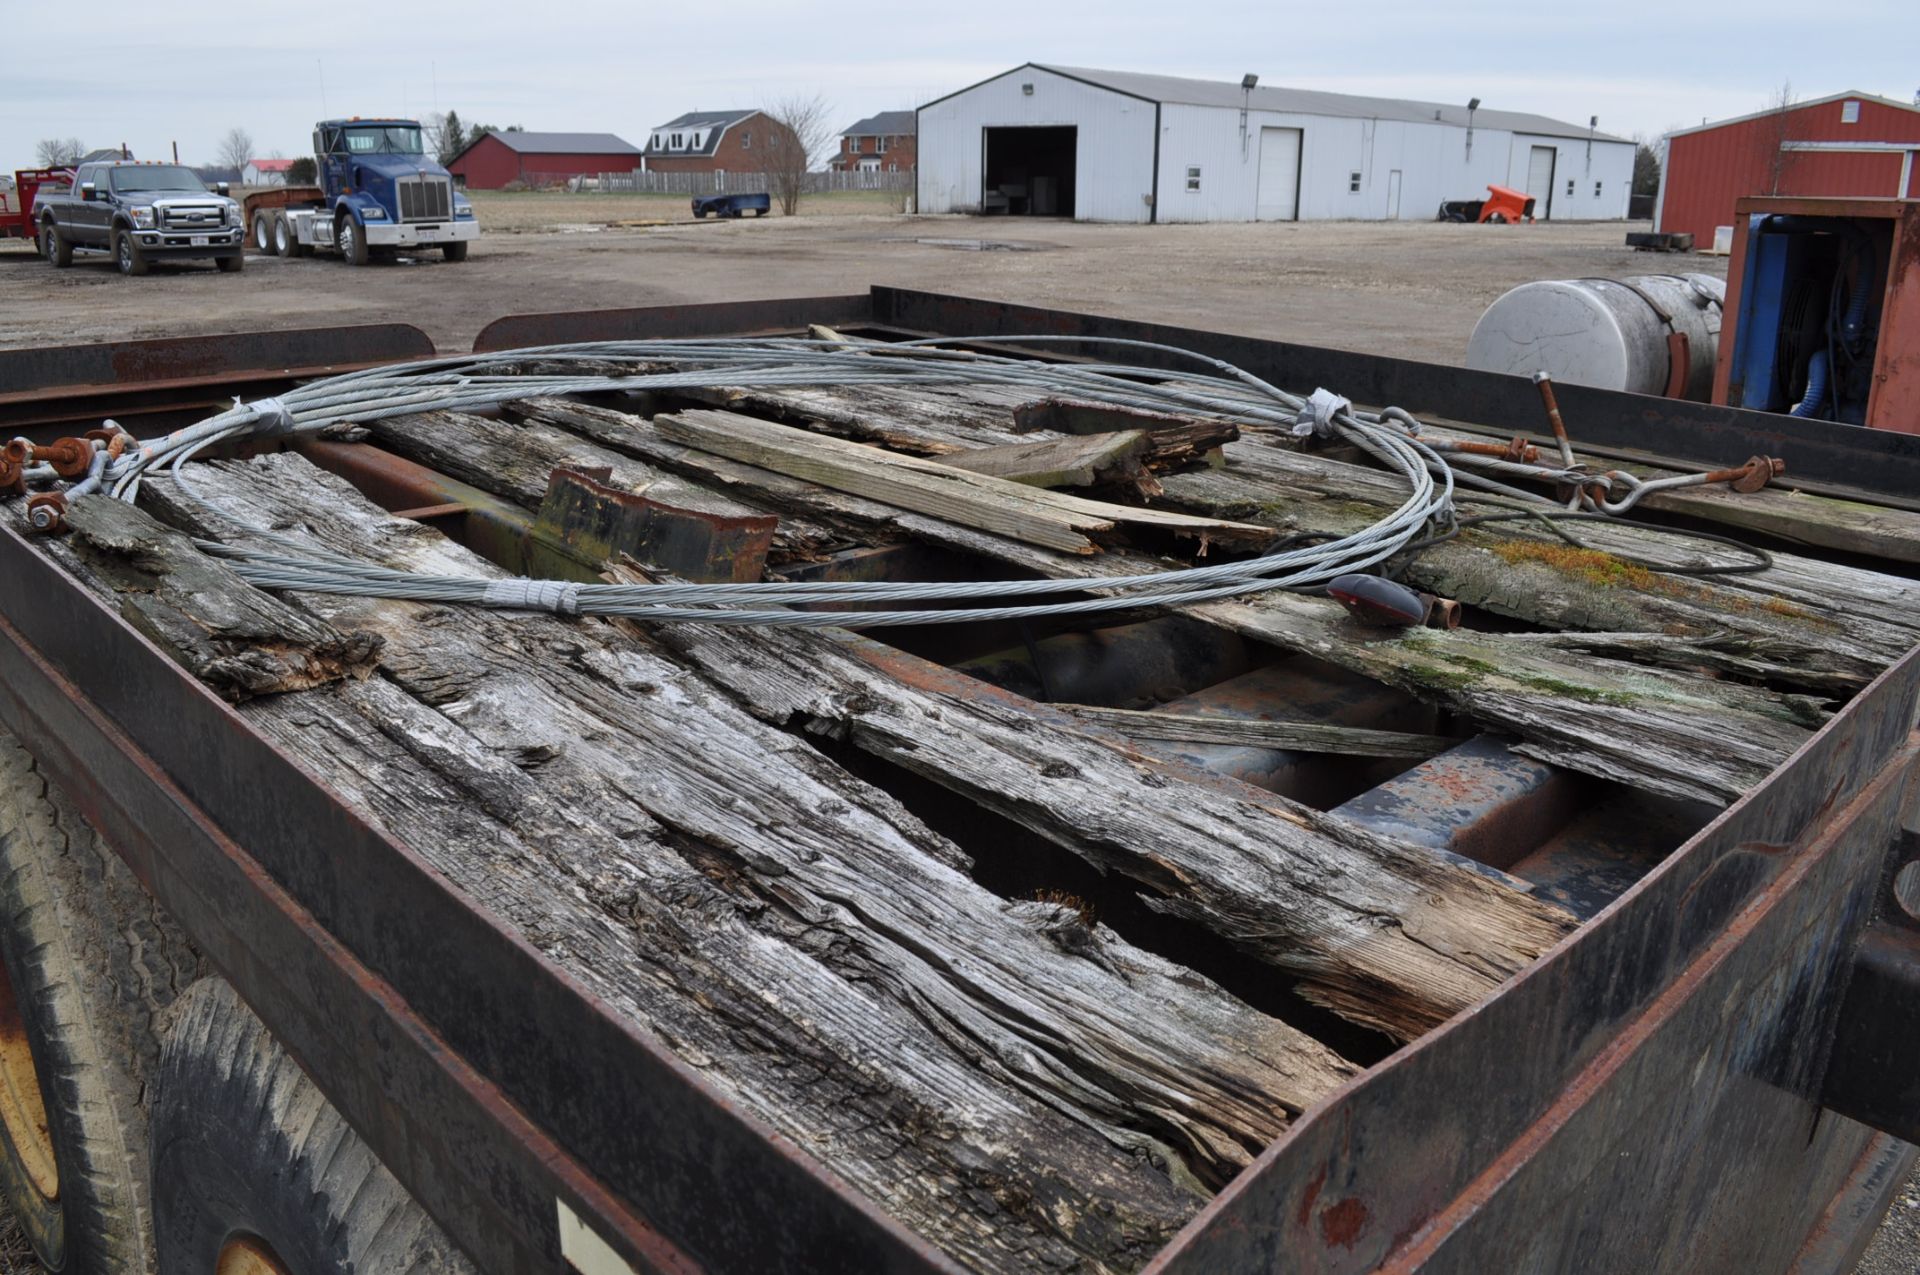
{"x":1030,"y":171}
{"x":1279,"y":198}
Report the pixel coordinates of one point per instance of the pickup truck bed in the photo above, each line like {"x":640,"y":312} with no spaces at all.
{"x":948,"y":946}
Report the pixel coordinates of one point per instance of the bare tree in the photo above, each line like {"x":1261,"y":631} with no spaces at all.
{"x":59,"y":152}
{"x":1774,"y":134}
{"x":798,"y":133}
{"x":446,"y":135}
{"x":235,"y":150}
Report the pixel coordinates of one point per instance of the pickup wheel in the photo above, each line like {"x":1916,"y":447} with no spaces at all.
{"x":127,"y":255}
{"x":351,"y":240}
{"x":92,"y":966}
{"x":255,"y":1171}
{"x":54,"y":245}
{"x":454,"y":251}
{"x":263,"y":237}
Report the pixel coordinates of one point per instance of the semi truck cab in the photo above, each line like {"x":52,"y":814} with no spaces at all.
{"x":379,"y":190}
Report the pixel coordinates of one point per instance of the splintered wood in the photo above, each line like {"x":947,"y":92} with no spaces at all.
{"x":718,"y":831}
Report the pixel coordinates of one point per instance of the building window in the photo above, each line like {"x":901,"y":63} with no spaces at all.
{"x":1353,"y":183}
{"x":678,"y":141}
{"x":1596,"y":190}
{"x":1850,"y":111}
{"x":1193,"y":181}
{"x":746,"y":141}
{"x":1026,"y":90}
{"x":882,"y":144}
{"x":1569,"y":187}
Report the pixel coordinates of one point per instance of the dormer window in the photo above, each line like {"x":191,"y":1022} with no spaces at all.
{"x":695,"y":143}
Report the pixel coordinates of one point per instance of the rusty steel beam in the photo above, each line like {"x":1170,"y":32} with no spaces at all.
{"x":1658,"y":1072}
{"x":719,"y":318}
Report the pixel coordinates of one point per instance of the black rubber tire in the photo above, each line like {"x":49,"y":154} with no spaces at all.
{"x":231,"y":265}
{"x":127,"y":255}
{"x":245,"y":1146}
{"x":351,"y":238}
{"x":759,"y":212}
{"x":456,"y":251}
{"x":285,"y":242}
{"x":700,"y":213}
{"x":92,"y":968}
{"x":54,"y":245}
{"x":263,"y":235}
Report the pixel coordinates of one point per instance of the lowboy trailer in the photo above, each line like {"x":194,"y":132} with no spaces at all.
{"x":1701,"y":1055}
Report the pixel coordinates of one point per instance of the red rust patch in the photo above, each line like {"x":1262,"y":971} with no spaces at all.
{"x":1312,"y":1195}
{"x":1341,"y":1225}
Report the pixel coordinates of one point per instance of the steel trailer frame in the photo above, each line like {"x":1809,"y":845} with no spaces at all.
{"x":1696,"y":1079}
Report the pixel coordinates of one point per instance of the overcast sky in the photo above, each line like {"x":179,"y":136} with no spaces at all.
{"x":153,"y":74}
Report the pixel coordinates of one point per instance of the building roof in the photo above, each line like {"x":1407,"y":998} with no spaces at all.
{"x":1228,"y":93}
{"x":104,"y":154}
{"x":885,"y":124}
{"x":523,"y":143}
{"x":715,"y":123}
{"x":1796,"y":106}
{"x":270,"y":165}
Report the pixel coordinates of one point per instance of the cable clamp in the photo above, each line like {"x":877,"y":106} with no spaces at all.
{"x":272,"y":419}
{"x":556,"y":596}
{"x":1317,"y":413}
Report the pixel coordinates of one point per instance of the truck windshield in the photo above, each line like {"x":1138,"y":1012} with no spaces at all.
{"x":158,"y":177}
{"x":391,"y":139}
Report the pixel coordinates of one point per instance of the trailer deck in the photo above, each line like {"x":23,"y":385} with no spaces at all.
{"x":1243,"y":938}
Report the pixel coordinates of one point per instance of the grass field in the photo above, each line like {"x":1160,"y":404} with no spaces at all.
{"x":548,"y":210}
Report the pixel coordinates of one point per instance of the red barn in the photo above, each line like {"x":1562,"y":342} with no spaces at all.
{"x":540,"y":159}
{"x":1847,"y":144}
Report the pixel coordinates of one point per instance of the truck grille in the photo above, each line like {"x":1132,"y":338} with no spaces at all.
{"x":425,"y":198}
{"x":192,"y":216}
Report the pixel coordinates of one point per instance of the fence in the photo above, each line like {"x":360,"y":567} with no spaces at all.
{"x":647,"y":183}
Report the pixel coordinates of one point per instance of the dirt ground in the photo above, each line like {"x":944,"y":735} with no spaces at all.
{"x":1410,"y":288}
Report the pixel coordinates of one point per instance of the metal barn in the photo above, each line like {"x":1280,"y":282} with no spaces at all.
{"x":1120,"y":146}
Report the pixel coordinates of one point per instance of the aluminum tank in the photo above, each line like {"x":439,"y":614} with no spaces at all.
{"x":1625,"y":334}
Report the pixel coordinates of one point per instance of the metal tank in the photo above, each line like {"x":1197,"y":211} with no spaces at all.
{"x":1648,"y":334}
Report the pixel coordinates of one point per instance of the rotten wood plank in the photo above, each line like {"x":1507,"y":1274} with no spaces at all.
{"x":1023,"y":1087}
{"x":1307,"y":737}
{"x":1086,"y":460}
{"x":1053,"y":519}
{"x":1683,"y":736}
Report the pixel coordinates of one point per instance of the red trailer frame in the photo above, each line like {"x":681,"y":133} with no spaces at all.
{"x":17,"y":222}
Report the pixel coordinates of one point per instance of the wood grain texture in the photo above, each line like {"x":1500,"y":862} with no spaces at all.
{"x":1024,"y":1088}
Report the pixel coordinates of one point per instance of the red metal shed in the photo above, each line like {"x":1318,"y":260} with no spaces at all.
{"x":541,"y":158}
{"x":1847,"y":144}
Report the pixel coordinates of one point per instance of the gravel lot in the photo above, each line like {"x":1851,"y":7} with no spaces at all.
{"x":1412,"y":289}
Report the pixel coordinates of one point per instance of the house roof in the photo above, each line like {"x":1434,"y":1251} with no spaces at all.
{"x":1797,"y":106}
{"x":1228,"y":93}
{"x":523,"y":143}
{"x":716,"y":123}
{"x":271,"y":165}
{"x":885,"y":124}
{"x":103,"y":154}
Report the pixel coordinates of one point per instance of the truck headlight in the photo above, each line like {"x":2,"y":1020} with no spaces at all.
{"x":233,"y":214}
{"x":142,"y":216}
{"x":375,"y":213}
{"x":463,"y":210}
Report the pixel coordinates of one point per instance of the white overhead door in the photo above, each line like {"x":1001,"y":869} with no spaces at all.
{"x":1279,"y":197}
{"x":1393,"y":195}
{"x":1540,"y":180}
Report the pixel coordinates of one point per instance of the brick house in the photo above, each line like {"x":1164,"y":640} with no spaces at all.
{"x":880,"y":143}
{"x":710,"y":141}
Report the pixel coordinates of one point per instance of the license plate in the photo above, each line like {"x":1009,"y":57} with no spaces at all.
{"x":199,"y":241}
{"x":429,"y":232}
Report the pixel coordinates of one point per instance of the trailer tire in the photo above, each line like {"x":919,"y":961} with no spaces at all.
{"x":248,"y":1153}
{"x":351,"y":240}
{"x":285,"y":242}
{"x":92,"y":968}
{"x":127,"y":255}
{"x":456,"y":251}
{"x":55,"y":245}
{"x":263,"y":241}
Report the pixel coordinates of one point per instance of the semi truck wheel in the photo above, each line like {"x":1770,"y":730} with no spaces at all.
{"x":55,"y":246}
{"x":454,"y":251}
{"x":92,"y":967}
{"x":263,"y":239}
{"x":285,"y":242}
{"x":127,"y":254}
{"x":352,"y":243}
{"x":255,"y":1171}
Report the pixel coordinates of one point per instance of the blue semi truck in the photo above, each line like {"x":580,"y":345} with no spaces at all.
{"x":380,"y":192}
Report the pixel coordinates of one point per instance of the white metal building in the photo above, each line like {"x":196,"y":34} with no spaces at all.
{"x":1119,"y":146}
